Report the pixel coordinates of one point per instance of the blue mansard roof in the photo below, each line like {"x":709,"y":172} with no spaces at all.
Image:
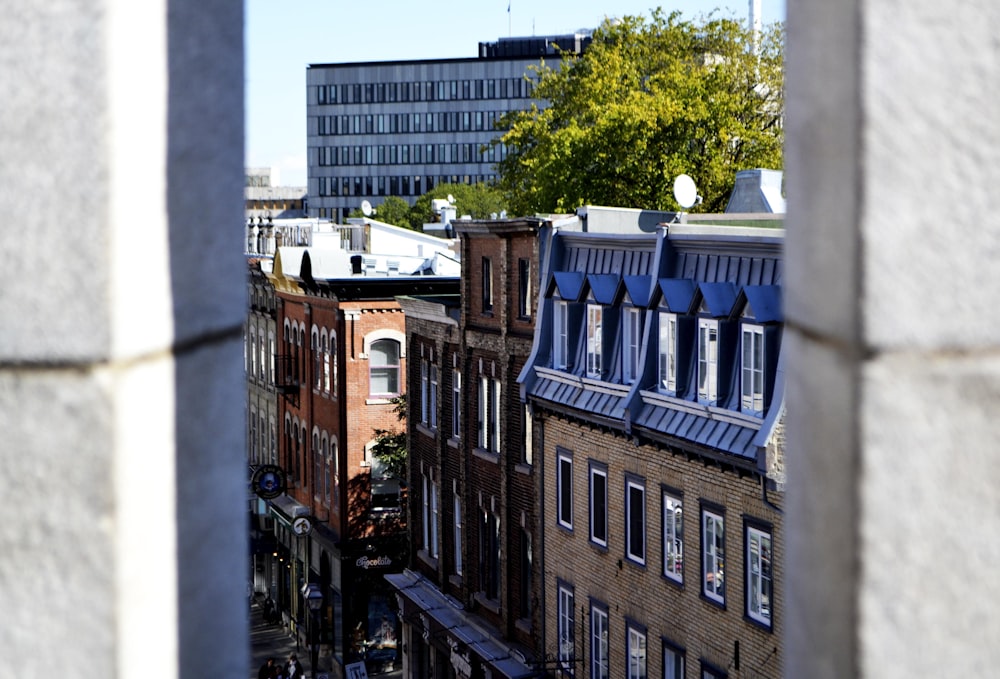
{"x":730,"y":271}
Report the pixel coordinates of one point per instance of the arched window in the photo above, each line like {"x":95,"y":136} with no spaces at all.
{"x":325,"y":350}
{"x":383,"y":360}
{"x":314,"y":347}
{"x":317,"y":462}
{"x":333,"y":363}
{"x":252,"y":341}
{"x":335,"y":471}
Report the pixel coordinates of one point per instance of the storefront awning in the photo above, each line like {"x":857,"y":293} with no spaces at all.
{"x":459,"y":625}
{"x":286,"y":509}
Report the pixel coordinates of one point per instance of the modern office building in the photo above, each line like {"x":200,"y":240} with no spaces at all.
{"x":400,"y":128}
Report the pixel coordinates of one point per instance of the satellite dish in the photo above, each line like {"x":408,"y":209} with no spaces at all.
{"x":451,"y":198}
{"x":685,"y":191}
{"x":366,"y":208}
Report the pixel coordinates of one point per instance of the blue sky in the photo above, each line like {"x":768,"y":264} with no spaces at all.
{"x":282,"y":37}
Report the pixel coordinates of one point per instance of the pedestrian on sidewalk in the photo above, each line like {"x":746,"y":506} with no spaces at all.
{"x":268,"y":670}
{"x":293,"y":670}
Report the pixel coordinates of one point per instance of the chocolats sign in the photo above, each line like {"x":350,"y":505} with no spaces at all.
{"x":367,"y":562}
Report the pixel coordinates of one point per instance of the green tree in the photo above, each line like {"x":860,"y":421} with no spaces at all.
{"x":393,"y":210}
{"x":479,"y":201}
{"x":390,"y":445}
{"x":648,"y":100}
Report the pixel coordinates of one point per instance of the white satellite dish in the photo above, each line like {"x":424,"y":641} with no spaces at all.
{"x":366,"y":208}
{"x":685,"y":191}
{"x":451,"y":198}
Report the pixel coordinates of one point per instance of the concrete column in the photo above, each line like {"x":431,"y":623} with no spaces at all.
{"x":122,"y":550}
{"x":893,"y":159}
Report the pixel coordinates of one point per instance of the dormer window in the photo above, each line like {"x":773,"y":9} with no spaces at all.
{"x":708,"y":361}
{"x":560,"y":335}
{"x":752,"y":370}
{"x":668,"y":353}
{"x":631,"y":343}
{"x":595,"y":329}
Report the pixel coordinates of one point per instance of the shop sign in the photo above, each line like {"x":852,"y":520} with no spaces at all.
{"x":269,"y":481}
{"x":367,"y":562}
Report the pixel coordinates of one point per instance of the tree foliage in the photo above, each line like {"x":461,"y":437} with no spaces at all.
{"x":390,"y":445}
{"x":476,"y":200}
{"x":648,"y":100}
{"x":479,"y":201}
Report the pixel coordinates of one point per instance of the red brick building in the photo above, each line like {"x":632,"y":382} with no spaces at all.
{"x":471,"y":596}
{"x":339,"y":524}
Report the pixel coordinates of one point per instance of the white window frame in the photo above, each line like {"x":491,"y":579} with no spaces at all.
{"x":595,"y":504}
{"x":595,"y":330}
{"x":566,"y":651}
{"x":599,"y":660}
{"x":495,"y":413}
{"x":560,"y":334}
{"x":489,"y":414}
{"x":637,"y":652}
{"x":713,"y":555}
{"x":631,"y":343}
{"x":482,"y":436}
{"x":433,"y":417}
{"x":635,"y":553}
{"x":673,"y":536}
{"x":435,"y":543}
{"x":667,"y":365}
{"x":673,"y":662}
{"x":387,"y":371}
{"x":425,"y":510}
{"x":708,"y":361}
{"x":458,"y":533}
{"x":424,"y":389}
{"x":456,"y":404}
{"x":760,"y":573}
{"x":564,"y":490}
{"x":752,"y":369}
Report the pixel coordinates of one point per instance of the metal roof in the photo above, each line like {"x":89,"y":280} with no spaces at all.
{"x":764,"y":302}
{"x":718,"y":298}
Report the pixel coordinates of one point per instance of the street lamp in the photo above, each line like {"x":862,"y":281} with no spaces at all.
{"x":313,"y":595}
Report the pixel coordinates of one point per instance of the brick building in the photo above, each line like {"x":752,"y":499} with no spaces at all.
{"x":658,"y":403}
{"x":471,"y":597}
{"x":338,"y":362}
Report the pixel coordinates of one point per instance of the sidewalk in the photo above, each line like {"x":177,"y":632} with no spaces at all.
{"x":271,"y":641}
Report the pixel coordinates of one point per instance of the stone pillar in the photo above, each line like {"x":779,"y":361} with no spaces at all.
{"x":892,"y":159}
{"x":122,"y":550}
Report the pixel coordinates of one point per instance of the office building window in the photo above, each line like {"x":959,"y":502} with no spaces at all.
{"x":489,"y":554}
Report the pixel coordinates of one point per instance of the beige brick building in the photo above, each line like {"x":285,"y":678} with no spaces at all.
{"x":658,"y":401}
